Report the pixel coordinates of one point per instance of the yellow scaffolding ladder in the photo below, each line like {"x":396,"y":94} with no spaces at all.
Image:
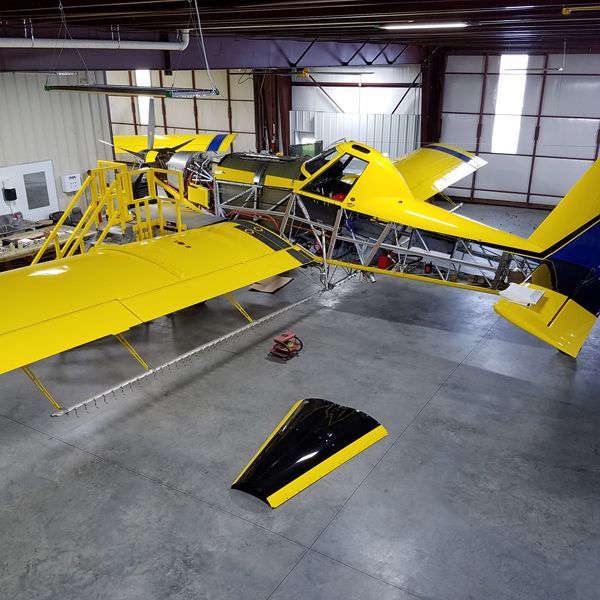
{"x":113,"y":203}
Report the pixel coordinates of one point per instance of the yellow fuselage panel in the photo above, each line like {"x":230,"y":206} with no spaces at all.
{"x":198,"y":194}
{"x":234,"y":175}
{"x":430,"y":217}
{"x":279,"y":182}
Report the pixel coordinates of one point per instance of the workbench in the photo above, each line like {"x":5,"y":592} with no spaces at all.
{"x":12,"y":258}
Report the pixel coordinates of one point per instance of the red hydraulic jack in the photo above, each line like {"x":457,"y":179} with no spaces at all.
{"x":286,"y":345}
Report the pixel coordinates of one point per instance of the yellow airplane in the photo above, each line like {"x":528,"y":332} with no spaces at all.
{"x":360,"y":204}
{"x":349,"y":207}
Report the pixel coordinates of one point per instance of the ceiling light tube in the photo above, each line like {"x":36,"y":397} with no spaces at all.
{"x":134,"y":90}
{"x":451,"y":25}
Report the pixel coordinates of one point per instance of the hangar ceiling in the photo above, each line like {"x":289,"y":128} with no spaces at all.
{"x":487,"y":26}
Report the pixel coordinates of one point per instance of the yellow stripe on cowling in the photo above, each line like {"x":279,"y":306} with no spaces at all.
{"x":281,"y":424}
{"x":279,"y":182}
{"x":328,"y":465}
{"x":229,"y":174}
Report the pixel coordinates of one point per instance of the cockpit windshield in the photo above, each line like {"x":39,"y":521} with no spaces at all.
{"x":337,"y":179}
{"x":314,"y":164}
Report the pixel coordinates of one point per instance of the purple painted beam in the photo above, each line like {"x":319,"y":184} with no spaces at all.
{"x":223,"y":53}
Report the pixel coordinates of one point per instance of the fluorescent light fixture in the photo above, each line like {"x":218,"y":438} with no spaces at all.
{"x":134,"y":90}
{"x":509,"y":103}
{"x":451,"y":25}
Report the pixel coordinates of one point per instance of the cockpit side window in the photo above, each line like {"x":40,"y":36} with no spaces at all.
{"x":337,"y":180}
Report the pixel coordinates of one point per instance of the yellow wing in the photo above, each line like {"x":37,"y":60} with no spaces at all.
{"x":62,"y":304}
{"x":214,"y":142}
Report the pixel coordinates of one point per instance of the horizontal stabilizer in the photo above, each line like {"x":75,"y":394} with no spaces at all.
{"x":435,"y":167}
{"x":554,"y":318}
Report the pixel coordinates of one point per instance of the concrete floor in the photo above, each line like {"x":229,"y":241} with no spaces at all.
{"x":487,"y":486}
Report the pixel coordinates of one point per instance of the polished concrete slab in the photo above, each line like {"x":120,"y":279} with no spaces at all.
{"x":486,"y":487}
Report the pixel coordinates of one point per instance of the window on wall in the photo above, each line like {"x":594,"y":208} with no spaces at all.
{"x":143,"y":79}
{"x":538,"y":127}
{"x":509,"y":103}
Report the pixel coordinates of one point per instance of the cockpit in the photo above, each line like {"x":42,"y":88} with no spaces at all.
{"x":338,"y":177}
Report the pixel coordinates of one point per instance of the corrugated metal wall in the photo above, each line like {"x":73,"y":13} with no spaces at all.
{"x":373,"y":90}
{"x":37,"y":125}
{"x":393,"y":134}
{"x":364,"y":100}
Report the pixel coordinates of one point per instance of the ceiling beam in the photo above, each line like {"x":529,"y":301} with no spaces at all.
{"x":223,"y":53}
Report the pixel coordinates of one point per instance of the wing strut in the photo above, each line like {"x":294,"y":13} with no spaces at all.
{"x":132,"y":351}
{"x":40,"y":386}
{"x":48,"y":395}
{"x":239,"y":307}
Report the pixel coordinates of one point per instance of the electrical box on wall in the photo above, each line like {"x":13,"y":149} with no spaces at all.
{"x":8,"y":190}
{"x":29,"y":188}
{"x":71,"y":183}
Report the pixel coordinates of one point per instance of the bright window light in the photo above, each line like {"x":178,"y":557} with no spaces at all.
{"x":509,"y":103}
{"x":308,"y":140}
{"x":143,"y":79}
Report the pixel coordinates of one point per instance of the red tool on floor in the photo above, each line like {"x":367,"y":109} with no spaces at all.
{"x":286,"y":345}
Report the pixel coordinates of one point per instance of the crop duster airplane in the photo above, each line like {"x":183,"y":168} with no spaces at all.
{"x":365,"y":204}
{"x":357,"y":204}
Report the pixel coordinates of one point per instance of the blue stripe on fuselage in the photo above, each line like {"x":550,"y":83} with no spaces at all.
{"x":584,"y":250}
{"x":455,"y":153}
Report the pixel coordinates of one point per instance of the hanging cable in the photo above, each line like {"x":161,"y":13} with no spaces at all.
{"x":188,"y":28}
{"x":63,"y":26}
{"x":67,"y":32}
{"x":200,"y":40}
{"x":56,"y":58}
